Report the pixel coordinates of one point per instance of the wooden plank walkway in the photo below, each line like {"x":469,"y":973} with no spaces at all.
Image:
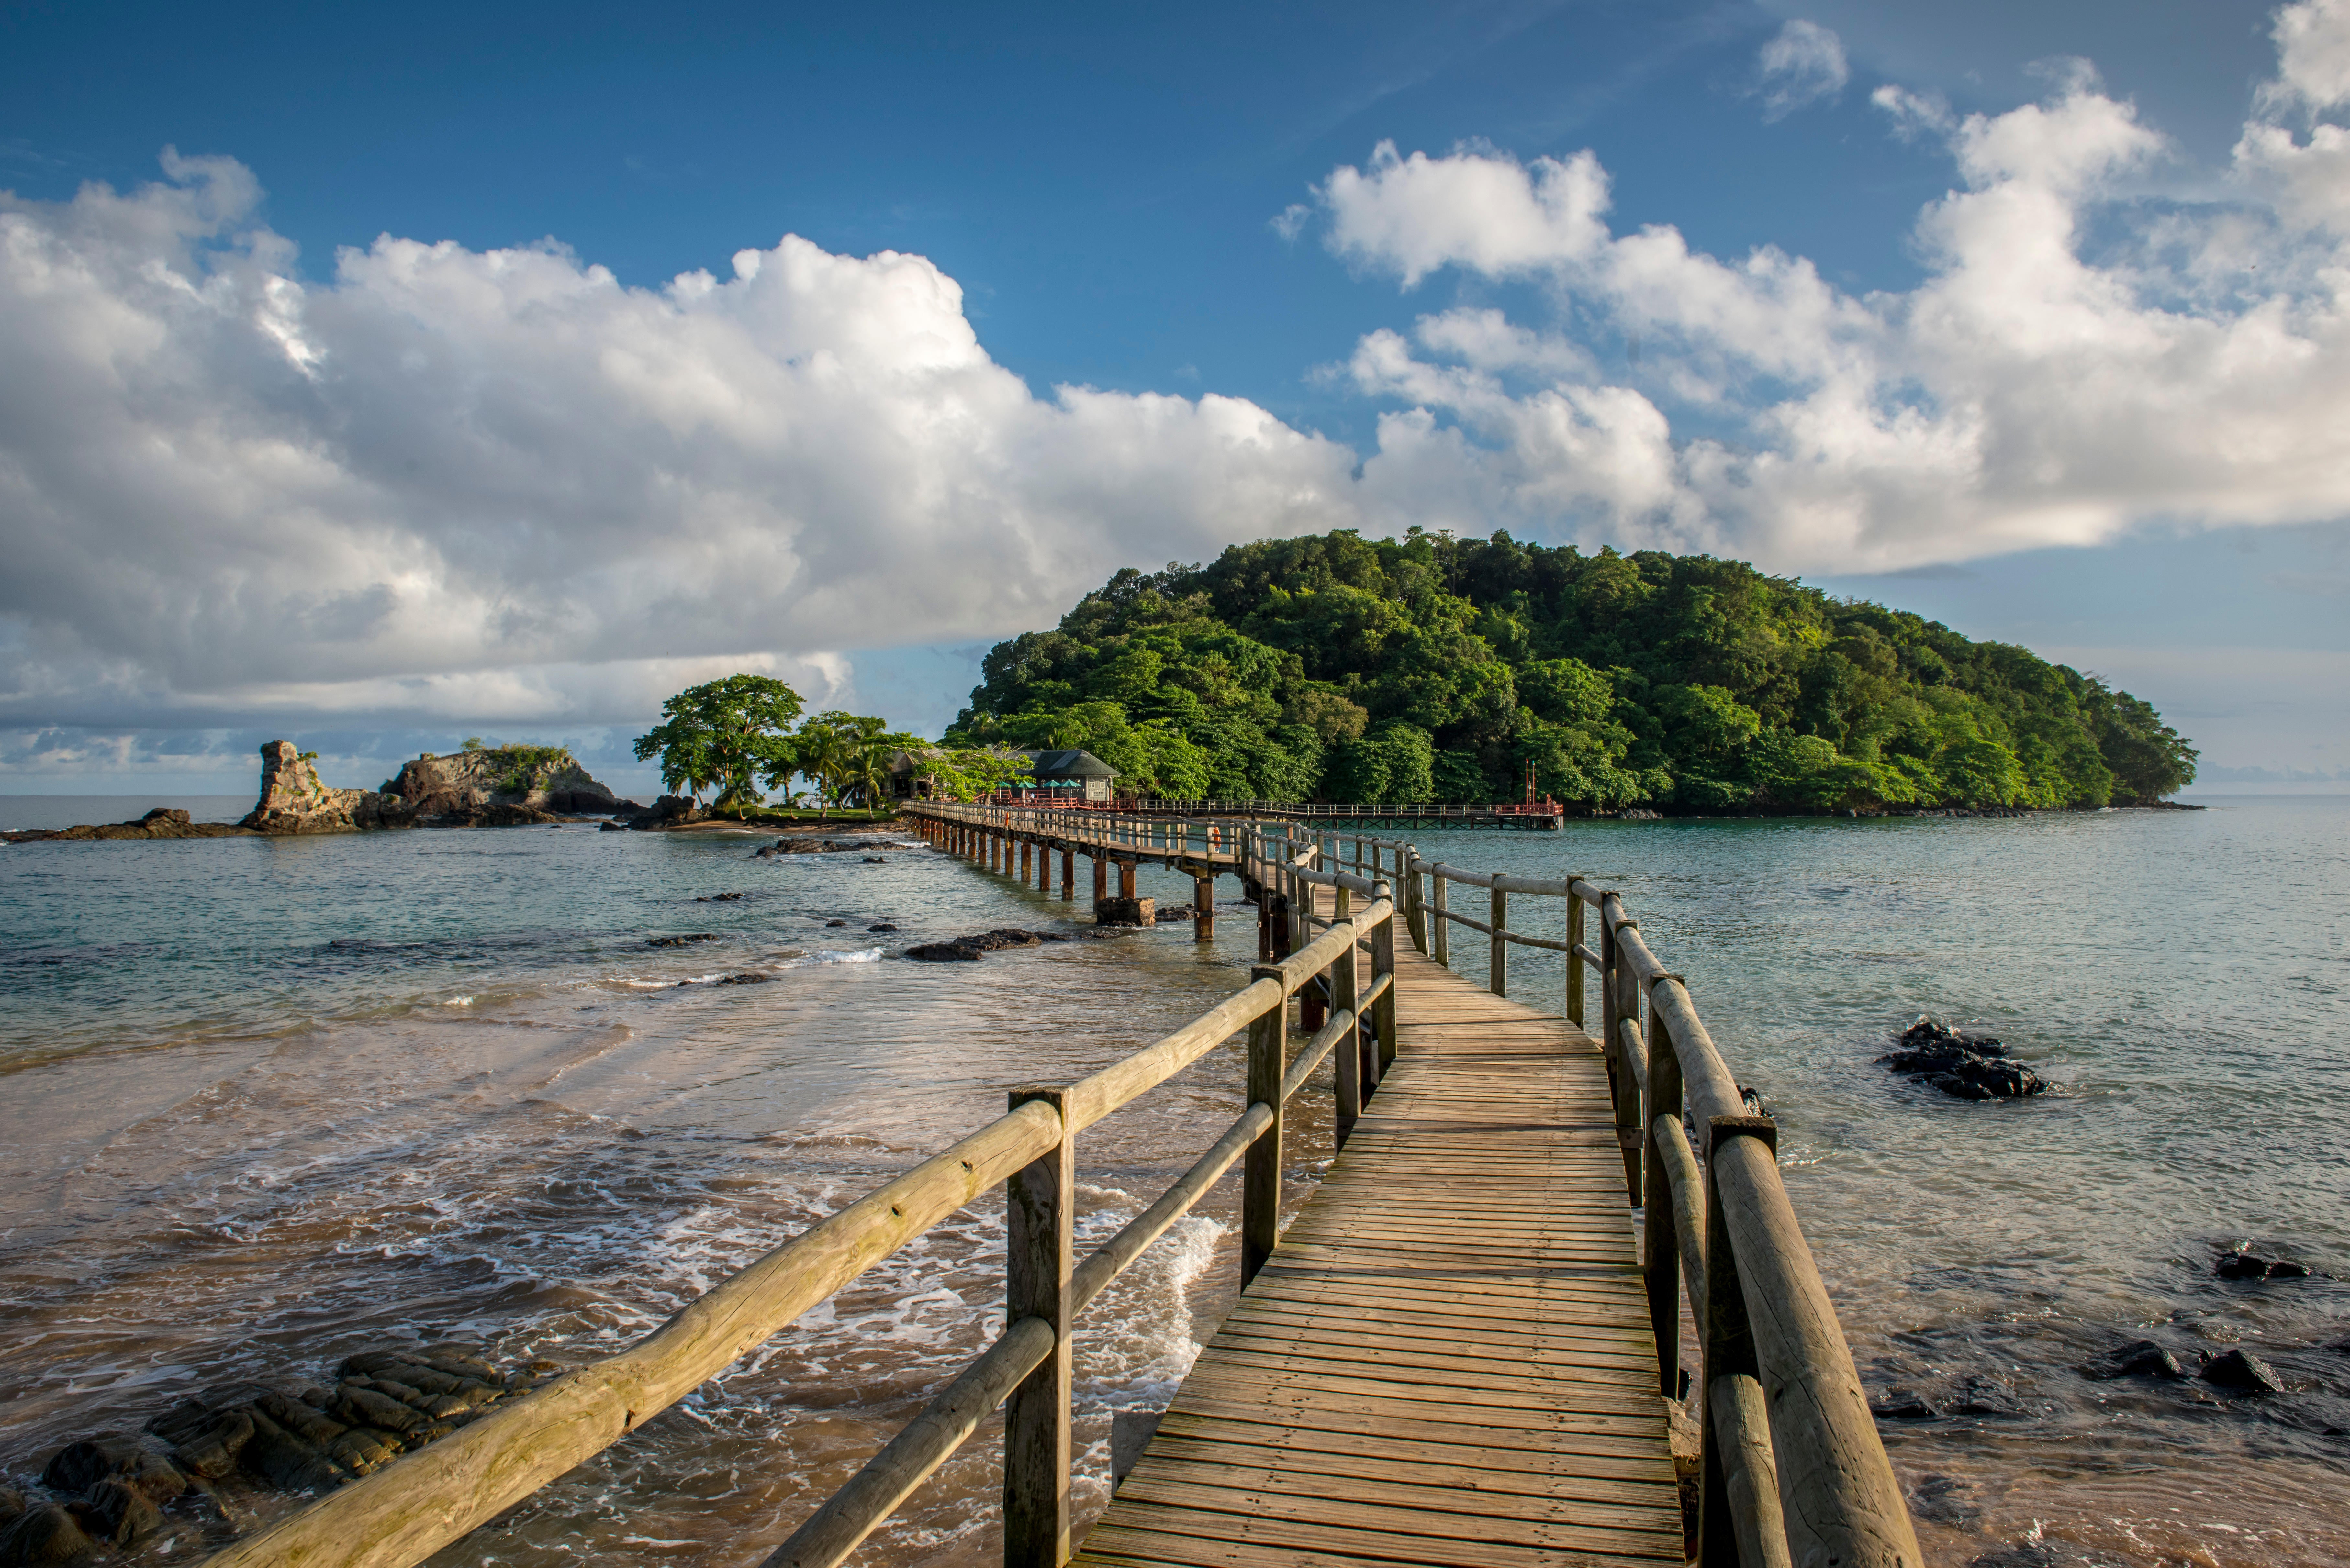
{"x":1447,"y":1359}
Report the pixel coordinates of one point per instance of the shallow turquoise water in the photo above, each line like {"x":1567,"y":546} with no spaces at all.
{"x":267,"y":1099}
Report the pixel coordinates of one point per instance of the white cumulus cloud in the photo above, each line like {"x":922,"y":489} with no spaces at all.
{"x":2195,"y":367}
{"x":1802,"y":64}
{"x":448,"y":480}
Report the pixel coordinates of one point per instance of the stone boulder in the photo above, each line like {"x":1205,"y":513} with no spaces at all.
{"x":968,"y":949}
{"x":1126,"y":912}
{"x":1963,"y":1066}
{"x":502,"y":785}
{"x":163,"y":822}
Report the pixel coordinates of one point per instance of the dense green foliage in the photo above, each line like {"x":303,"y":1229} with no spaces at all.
{"x":731,"y":735}
{"x":1433,"y":668}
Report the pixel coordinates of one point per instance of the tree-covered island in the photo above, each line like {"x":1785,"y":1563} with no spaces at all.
{"x":1432,"y":668}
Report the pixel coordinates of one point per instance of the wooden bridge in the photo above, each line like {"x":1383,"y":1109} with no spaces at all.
{"x":1459,"y":1353}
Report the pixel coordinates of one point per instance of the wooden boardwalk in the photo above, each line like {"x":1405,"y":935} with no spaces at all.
{"x":1447,"y":1359}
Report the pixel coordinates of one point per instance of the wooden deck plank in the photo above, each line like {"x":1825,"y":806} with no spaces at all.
{"x":1447,"y":1360}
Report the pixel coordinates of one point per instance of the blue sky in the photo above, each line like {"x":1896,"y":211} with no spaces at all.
{"x":458,"y":481}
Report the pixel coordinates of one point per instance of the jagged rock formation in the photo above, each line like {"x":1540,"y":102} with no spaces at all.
{"x":501,"y":786}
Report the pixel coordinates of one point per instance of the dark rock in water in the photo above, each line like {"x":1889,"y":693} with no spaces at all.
{"x":2138,"y":1358}
{"x":612,"y":828}
{"x":1902,"y":1405}
{"x":45,"y":1533}
{"x":287,"y":1460}
{"x":830,"y":924}
{"x":718,"y":898}
{"x":877,"y":860}
{"x":117,"y":1513}
{"x":965,"y":948}
{"x":681,"y":941}
{"x":746,"y":978}
{"x":1752,"y":1100}
{"x":1982,"y":1396}
{"x":1964,"y":1066}
{"x":78,"y":1466}
{"x":12,"y":1505}
{"x":884,"y":926}
{"x":2243,"y":1372}
{"x":2243,"y":1263}
{"x":1126,"y":912}
{"x":1174,"y":913}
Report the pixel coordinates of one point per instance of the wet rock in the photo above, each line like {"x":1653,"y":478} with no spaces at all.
{"x":1126,"y":912}
{"x":1964,"y":1066}
{"x":746,"y":978}
{"x":2138,"y":1358}
{"x":1174,"y":913}
{"x":285,"y":1459}
{"x":45,"y":1533}
{"x":965,"y":948}
{"x":681,"y":941}
{"x":207,"y":1432}
{"x":79,"y":1467}
{"x":356,"y":1404}
{"x":2245,"y":1264}
{"x":12,"y":1505}
{"x":613,"y":827}
{"x":2241,"y":1373}
{"x":718,"y":898}
{"x":877,"y":860}
{"x":1903,"y":1405}
{"x":1982,"y":1396}
{"x":884,"y":926}
{"x":117,"y":1514}
{"x":1752,"y":1098}
{"x":1944,"y":1500}
{"x":830,"y":924}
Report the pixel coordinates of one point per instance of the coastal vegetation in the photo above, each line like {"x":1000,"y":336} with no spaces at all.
{"x":1433,"y":668}
{"x":735,"y":736}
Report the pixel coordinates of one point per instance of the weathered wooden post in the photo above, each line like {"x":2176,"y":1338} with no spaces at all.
{"x":1039,"y":1205}
{"x":1383,"y":1011}
{"x":1347,"y":1070}
{"x":1731,"y":1371}
{"x":1101,"y":877}
{"x":1442,"y":933}
{"x":1268,"y":1054}
{"x":1025,"y":868}
{"x":1310,"y":997}
{"x":1497,"y":979}
{"x":1660,"y":1236}
{"x":1068,"y":872}
{"x":1408,"y":863}
{"x":1574,"y":964}
{"x":1126,"y":878}
{"x":1203,"y":908}
{"x":1607,"y":993}
{"x":1628,"y":1092}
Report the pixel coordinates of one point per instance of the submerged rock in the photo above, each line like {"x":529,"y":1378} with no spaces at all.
{"x":687,"y":941}
{"x":1903,"y":1405}
{"x":2242,"y":1372}
{"x":2243,"y":1263}
{"x":1964,"y":1066}
{"x":969,"y":949}
{"x":2138,"y":1358}
{"x":45,"y":1533}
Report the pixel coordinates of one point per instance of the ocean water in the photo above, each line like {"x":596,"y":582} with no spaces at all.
{"x":263,"y":1102}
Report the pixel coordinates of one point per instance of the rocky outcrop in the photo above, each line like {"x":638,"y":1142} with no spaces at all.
{"x":492,"y":780}
{"x":117,"y":1488}
{"x":969,"y":948}
{"x":505,"y":786}
{"x":163,"y":822}
{"x":293,"y":801}
{"x":1963,"y":1066}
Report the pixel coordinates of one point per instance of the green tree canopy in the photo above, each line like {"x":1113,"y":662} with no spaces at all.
{"x":726,"y":735}
{"x":1298,"y":669}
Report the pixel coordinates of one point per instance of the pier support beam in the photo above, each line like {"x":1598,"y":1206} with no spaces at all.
{"x":1204,"y":907}
{"x":1068,"y":873}
{"x":1025,"y":850}
{"x":1102,"y":880}
{"x":1126,"y":878}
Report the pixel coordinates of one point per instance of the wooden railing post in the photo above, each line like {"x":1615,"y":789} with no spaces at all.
{"x":1729,"y":1366}
{"x":1497,"y":980}
{"x":1608,"y":992}
{"x":1346,"y":1078}
{"x":1383,"y":1011}
{"x":1574,"y":964}
{"x":1039,"y":1205}
{"x":1443,"y":928}
{"x":1312,"y":1002}
{"x":1415,"y":907}
{"x":1268,"y":1054}
{"x":1660,"y":1236}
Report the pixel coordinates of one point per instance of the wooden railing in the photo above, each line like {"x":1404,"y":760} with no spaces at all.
{"x":407,"y":1510}
{"x":1793,"y":1469}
